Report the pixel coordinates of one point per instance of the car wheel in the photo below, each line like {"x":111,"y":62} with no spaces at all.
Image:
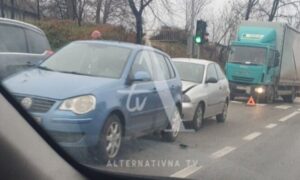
{"x":198,"y":118}
{"x":170,"y":134}
{"x":110,"y":140}
{"x":222,"y":117}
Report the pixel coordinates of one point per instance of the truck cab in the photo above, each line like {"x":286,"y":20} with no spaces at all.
{"x":253,"y":66}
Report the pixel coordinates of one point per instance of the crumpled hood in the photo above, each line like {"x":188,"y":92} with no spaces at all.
{"x":187,"y":85}
{"x":54,"y":85}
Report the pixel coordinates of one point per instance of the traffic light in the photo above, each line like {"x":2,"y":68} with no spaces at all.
{"x":201,"y":34}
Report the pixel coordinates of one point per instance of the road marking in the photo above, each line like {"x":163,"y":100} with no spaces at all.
{"x":284,"y":107}
{"x":288,"y":117}
{"x":261,"y":105}
{"x":271,"y":126}
{"x":186,"y":172}
{"x":252,"y":136}
{"x":237,"y":102}
{"x":222,"y":152}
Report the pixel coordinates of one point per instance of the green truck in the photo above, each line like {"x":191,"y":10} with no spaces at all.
{"x":264,"y":62}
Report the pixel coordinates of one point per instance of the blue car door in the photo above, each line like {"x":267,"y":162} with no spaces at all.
{"x":141,"y":100}
{"x":165,"y":87}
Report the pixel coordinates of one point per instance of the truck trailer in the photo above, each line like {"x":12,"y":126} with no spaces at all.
{"x":264,"y":62}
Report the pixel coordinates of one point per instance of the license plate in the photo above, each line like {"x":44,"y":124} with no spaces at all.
{"x":242,"y":88}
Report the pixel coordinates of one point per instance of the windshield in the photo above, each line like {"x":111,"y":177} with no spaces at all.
{"x":90,"y":59}
{"x":247,"y":55}
{"x":138,"y":87}
{"x":190,"y":71}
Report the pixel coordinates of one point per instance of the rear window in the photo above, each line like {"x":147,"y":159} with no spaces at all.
{"x":37,"y":43}
{"x":12,"y":39}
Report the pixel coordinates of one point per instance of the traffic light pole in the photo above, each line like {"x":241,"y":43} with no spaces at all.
{"x":198,"y":51}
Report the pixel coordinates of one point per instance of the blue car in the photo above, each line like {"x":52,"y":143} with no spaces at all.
{"x":94,"y":93}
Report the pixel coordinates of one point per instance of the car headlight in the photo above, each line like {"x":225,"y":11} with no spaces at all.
{"x":79,"y":105}
{"x":260,"y":90}
{"x":186,"y":98}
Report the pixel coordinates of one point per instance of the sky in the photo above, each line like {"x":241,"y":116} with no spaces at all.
{"x":178,"y":18}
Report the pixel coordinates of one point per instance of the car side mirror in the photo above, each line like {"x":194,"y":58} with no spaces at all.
{"x":211,"y":80}
{"x":141,"y":76}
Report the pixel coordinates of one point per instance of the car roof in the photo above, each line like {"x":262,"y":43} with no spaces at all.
{"x":20,"y":24}
{"x":122,"y":44}
{"x":191,"y":60}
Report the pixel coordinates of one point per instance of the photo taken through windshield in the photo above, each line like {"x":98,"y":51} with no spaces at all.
{"x":193,"y":89}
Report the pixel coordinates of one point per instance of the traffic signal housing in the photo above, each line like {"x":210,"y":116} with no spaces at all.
{"x":201,"y":33}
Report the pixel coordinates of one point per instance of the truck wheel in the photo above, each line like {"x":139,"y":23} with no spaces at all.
{"x":232,"y":97}
{"x":269,"y":99}
{"x":290,"y":98}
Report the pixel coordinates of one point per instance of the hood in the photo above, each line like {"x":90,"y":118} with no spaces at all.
{"x":187,"y":85}
{"x":249,"y":74}
{"x":54,"y":85}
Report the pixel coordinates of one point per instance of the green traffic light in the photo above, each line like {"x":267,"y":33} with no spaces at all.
{"x":198,"y":39}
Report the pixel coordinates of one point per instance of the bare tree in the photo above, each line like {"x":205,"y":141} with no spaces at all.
{"x":38,"y":9}
{"x":71,"y":8}
{"x":273,"y":10}
{"x":137,"y":11}
{"x":291,"y":7}
{"x":107,"y":10}
{"x":251,"y":4}
{"x":98,"y":11}
{"x":80,"y":11}
{"x":193,"y":9}
{"x":2,"y":8}
{"x":13,"y":8}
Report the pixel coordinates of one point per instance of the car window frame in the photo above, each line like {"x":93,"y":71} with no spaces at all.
{"x":24,"y":34}
{"x":171,"y":68}
{"x":133,"y":62}
{"x":29,"y":50}
{"x":155,"y":70}
{"x":206,"y":76}
{"x":218,"y":69}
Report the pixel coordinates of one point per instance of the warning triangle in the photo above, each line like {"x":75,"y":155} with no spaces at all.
{"x":251,"y":102}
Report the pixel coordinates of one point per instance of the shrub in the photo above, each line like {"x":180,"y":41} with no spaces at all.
{"x":62,"y":32}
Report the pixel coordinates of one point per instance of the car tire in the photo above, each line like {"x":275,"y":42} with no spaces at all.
{"x":232,"y":97}
{"x":221,"y":118}
{"x":111,"y":135}
{"x":198,"y":117}
{"x":270,"y":96}
{"x":170,"y":134}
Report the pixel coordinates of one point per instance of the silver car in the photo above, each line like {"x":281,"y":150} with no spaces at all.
{"x":205,"y":90}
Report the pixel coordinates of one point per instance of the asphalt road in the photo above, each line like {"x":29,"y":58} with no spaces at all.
{"x":261,"y":142}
